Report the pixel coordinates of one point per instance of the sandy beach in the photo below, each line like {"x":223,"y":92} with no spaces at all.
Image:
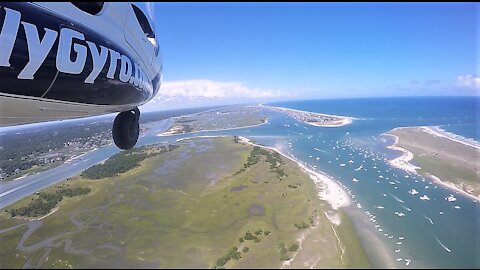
{"x":452,"y":187}
{"x":328,"y":189}
{"x":438,"y":132}
{"x":300,"y":115}
{"x":345,"y":121}
{"x":403,"y":161}
{"x":444,"y":154}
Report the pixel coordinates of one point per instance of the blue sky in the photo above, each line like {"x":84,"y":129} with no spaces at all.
{"x":257,"y":51}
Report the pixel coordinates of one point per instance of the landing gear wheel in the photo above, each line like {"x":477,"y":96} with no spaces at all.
{"x":126,"y":129}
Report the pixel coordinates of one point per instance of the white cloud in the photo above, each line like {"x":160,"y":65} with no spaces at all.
{"x":208,"y":92}
{"x":469,"y":81}
{"x":215,"y":89}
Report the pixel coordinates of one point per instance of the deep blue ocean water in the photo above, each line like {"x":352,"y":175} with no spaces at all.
{"x":459,"y":115}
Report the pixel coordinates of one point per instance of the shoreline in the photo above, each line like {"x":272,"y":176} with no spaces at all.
{"x":210,"y":130}
{"x":46,"y":168}
{"x":298,"y":236}
{"x":439,"y":132}
{"x":403,"y":162}
{"x":332,"y":192}
{"x":452,"y":187}
{"x":328,"y":189}
{"x":346,"y":120}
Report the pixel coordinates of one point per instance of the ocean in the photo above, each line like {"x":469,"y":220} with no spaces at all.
{"x":459,"y":115}
{"x":396,"y":226}
{"x":403,"y":220}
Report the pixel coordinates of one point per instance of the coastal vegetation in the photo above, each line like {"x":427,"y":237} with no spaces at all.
{"x":180,"y":120}
{"x":273,"y":159}
{"x":293,"y":247}
{"x":177,"y":210}
{"x":312,"y":118}
{"x":25,"y":151}
{"x":30,"y":150}
{"x":232,"y":254}
{"x":286,"y":253}
{"x":223,"y":118}
{"x":301,"y":225}
{"x":47,"y":201}
{"x":284,"y":256}
{"x":441,"y":158}
{"x":124,"y":161}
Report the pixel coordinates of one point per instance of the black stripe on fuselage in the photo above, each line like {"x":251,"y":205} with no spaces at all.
{"x":67,"y":86}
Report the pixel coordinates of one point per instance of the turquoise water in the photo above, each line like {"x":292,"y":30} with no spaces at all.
{"x":411,"y":232}
{"x":459,"y":115}
{"x":396,"y":227}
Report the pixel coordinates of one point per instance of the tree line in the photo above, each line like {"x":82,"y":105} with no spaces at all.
{"x":274,"y":159}
{"x":124,"y":161}
{"x":47,"y":201}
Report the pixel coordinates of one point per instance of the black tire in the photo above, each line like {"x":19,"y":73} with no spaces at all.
{"x":126,"y":129}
